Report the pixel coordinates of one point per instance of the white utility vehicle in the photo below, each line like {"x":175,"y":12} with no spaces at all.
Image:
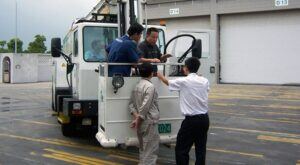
{"x":91,"y":98}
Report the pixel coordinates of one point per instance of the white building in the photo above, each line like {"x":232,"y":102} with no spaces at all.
{"x":256,"y":41}
{"x":249,"y":41}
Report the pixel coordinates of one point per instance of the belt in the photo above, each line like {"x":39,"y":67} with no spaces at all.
{"x":200,"y":115}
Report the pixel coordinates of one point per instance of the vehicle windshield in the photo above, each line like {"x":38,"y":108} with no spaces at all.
{"x":95,"y":39}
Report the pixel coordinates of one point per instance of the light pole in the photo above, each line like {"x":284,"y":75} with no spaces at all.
{"x":16,"y":32}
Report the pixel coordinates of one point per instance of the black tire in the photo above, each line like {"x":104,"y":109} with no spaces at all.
{"x":68,"y":130}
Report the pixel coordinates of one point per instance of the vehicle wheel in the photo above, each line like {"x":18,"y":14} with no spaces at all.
{"x":68,"y":129}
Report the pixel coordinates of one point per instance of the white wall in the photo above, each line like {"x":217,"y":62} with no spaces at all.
{"x":44,"y":68}
{"x":1,"y":59}
{"x":26,"y":68}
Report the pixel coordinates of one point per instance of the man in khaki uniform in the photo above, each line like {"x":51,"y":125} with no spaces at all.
{"x":144,"y":107}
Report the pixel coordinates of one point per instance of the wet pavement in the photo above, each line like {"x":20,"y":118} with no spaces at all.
{"x":249,"y":125}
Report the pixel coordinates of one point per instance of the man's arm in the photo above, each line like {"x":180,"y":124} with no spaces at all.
{"x":151,"y":60}
{"x":163,"y":78}
{"x":147,"y":101}
{"x":174,"y":85}
{"x":134,"y":112}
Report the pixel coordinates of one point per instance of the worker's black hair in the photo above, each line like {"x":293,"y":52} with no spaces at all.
{"x":145,"y":69}
{"x":135,"y":28}
{"x":152,"y":29}
{"x":192,"y":64}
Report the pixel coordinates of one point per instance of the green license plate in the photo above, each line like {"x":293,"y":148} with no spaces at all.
{"x":164,"y":128}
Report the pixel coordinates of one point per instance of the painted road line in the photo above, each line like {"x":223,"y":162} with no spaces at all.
{"x":124,"y":158}
{"x":253,"y":98}
{"x":255,"y":94}
{"x":231,"y":152}
{"x":258,"y":131}
{"x":236,"y":152}
{"x":35,"y":122}
{"x":73,"y":145}
{"x":227,"y":112}
{"x":269,"y":120}
{"x":279,"y":139}
{"x":279,"y":113}
{"x":289,"y":119}
{"x":62,"y":159}
{"x":30,"y":121}
{"x":274,"y":106}
{"x":79,"y":158}
{"x":67,"y":144}
{"x":260,"y":112}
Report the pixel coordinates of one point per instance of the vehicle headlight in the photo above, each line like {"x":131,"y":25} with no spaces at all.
{"x":117,"y":82}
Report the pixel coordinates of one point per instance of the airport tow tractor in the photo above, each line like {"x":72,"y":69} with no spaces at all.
{"x":86,"y":98}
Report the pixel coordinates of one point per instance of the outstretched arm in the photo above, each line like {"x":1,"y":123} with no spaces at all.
{"x":163,"y":78}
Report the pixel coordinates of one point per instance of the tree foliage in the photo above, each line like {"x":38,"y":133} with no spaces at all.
{"x":2,"y":45}
{"x":38,"y":45}
{"x":11,"y":45}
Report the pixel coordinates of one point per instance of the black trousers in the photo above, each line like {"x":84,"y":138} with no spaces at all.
{"x":193,"y":130}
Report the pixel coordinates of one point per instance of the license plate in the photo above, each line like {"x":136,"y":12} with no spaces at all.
{"x":164,"y":128}
{"x":86,"y":121}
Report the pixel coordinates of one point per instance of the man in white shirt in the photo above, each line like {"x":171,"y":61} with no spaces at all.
{"x":194,"y":106}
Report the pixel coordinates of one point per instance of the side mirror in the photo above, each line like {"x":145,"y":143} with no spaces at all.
{"x":197,"y":49}
{"x":55,"y":47}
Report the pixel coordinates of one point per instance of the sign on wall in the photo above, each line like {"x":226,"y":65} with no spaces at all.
{"x":279,"y":3}
{"x":174,"y":11}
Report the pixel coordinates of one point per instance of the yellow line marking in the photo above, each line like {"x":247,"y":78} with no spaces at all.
{"x":79,"y":158}
{"x":35,"y":122}
{"x":250,"y":98}
{"x":223,"y":104}
{"x":269,"y":120}
{"x":237,"y":153}
{"x":231,"y":152}
{"x":124,"y":157}
{"x":257,"y":131}
{"x":62,"y":141}
{"x":73,"y":145}
{"x":226,"y":112}
{"x":260,"y":106}
{"x":59,"y":142}
{"x":278,"y":113}
{"x":33,"y":153}
{"x":279,"y":139}
{"x":297,"y":120}
{"x":62,"y":159}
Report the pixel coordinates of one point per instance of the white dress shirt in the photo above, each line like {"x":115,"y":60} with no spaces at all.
{"x":193,"y":94}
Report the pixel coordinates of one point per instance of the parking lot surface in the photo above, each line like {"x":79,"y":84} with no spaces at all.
{"x":249,"y":124}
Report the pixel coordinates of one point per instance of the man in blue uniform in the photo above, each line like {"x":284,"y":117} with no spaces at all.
{"x":124,"y":50}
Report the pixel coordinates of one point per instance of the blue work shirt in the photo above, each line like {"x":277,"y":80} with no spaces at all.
{"x":122,"y":50}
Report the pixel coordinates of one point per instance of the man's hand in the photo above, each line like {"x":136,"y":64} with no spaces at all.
{"x":136,"y":123}
{"x":155,"y":60}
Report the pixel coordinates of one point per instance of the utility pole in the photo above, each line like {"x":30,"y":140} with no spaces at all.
{"x":16,"y":28}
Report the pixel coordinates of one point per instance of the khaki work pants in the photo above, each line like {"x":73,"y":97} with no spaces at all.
{"x":148,"y":137}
